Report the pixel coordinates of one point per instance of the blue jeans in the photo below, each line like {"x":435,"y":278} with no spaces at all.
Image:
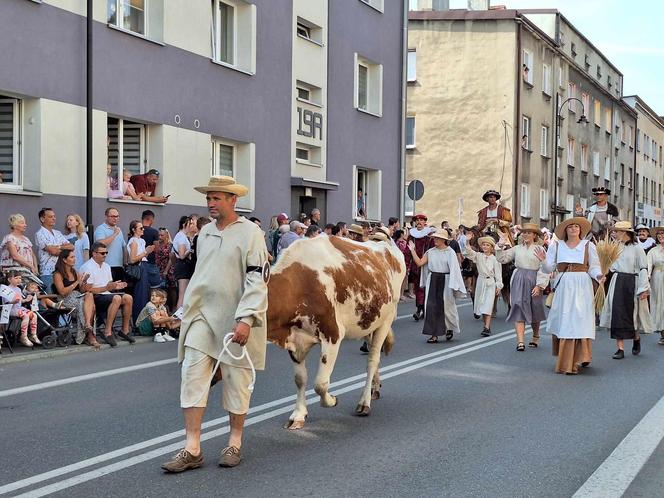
{"x":48,"y":283}
{"x":154,"y":278}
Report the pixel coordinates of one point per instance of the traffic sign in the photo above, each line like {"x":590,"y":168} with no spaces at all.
{"x":415,"y":190}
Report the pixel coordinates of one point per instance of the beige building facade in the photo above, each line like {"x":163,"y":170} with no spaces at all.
{"x":484,"y":88}
{"x":649,"y":178}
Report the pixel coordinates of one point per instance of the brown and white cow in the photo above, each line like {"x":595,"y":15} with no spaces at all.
{"x":327,"y":289}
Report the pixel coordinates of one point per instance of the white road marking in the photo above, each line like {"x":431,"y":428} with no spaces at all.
{"x":108,"y":373}
{"x":616,"y":473}
{"x":356,"y":381}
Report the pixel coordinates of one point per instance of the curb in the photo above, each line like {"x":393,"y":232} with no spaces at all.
{"x":8,"y":358}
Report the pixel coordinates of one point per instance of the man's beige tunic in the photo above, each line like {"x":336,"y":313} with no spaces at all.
{"x":222,"y":291}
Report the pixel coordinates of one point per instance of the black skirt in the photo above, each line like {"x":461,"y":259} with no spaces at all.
{"x":622,"y":307}
{"x":434,"y":308}
{"x":184,"y":269}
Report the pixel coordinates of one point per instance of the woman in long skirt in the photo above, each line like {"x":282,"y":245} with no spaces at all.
{"x":489,"y":278}
{"x":571,"y":319}
{"x":625,"y":310}
{"x":656,"y":273}
{"x":527,"y":284}
{"x":442,"y":282}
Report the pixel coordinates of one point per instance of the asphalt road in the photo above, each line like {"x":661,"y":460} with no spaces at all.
{"x":471,"y":417}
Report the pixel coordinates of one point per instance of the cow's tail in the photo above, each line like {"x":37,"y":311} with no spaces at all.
{"x":388,"y":343}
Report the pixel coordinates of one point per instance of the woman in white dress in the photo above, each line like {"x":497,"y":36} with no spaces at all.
{"x":489,"y":278}
{"x":656,"y":274}
{"x":625,"y":310}
{"x":571,"y":320}
{"x":526,"y":285}
{"x":442,"y":281}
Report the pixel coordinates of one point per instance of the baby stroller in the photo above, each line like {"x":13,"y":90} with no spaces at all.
{"x":54,"y":326}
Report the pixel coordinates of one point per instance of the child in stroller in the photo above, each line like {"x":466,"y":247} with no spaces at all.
{"x":28,"y":318}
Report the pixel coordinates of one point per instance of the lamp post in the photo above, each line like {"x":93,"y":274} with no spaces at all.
{"x":559,"y":118}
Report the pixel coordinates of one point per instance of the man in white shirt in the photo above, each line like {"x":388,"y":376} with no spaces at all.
{"x":101,"y":284}
{"x":49,"y":242}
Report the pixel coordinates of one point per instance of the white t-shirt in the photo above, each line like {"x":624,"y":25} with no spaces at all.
{"x":180,"y":240}
{"x":140,"y":246}
{"x":100,"y":276}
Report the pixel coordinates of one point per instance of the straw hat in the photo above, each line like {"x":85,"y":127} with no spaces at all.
{"x":354,"y":228}
{"x":531,"y":227}
{"x":223,"y":184}
{"x":486,"y":240}
{"x":641,"y":226}
{"x":656,"y":230}
{"x":378,"y":237}
{"x":441,"y":234}
{"x":583,"y":223}
{"x":622,"y":226}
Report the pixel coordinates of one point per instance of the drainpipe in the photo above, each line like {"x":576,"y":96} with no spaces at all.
{"x":88,"y":128}
{"x":404,"y":90}
{"x":516,"y":193}
{"x":634,"y":186}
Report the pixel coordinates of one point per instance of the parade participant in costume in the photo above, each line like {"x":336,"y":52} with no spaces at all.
{"x":493,"y":211}
{"x":356,"y":233}
{"x":442,"y":281}
{"x":645,"y":240}
{"x":227,"y":294}
{"x":527,"y":284}
{"x":602,"y":214}
{"x":489,"y":280}
{"x":571,"y":320}
{"x":625,"y":310}
{"x":656,"y":274}
{"x":419,"y":235}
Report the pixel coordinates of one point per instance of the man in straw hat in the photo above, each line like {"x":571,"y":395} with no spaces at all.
{"x":625,"y":310}
{"x":419,"y":235}
{"x":227,"y":293}
{"x":645,"y":240}
{"x":602,"y":214}
{"x":493,"y":211}
{"x":356,"y":233}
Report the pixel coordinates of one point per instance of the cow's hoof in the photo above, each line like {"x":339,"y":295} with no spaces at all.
{"x":375,"y":394}
{"x":294,"y":425}
{"x":329,"y":401}
{"x":362,"y":410}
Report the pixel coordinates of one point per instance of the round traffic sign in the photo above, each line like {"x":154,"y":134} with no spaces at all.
{"x":415,"y":190}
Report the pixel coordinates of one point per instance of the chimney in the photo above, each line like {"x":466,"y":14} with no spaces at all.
{"x":478,"y":4}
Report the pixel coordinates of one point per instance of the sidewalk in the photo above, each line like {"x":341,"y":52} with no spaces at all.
{"x":22,"y":353}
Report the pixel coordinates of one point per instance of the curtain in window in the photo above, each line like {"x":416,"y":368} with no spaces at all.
{"x":362,"y":86}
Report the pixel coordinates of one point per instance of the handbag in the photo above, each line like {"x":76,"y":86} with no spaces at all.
{"x":133,"y":272}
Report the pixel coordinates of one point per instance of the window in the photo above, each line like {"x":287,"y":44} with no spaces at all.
{"x":546,"y":79}
{"x":412,"y":66}
{"x":571,"y":91}
{"x":622,"y":174}
{"x":410,"y":132}
{"x":128,"y":14}
{"x":236,"y":159}
{"x":308,"y":154}
{"x":573,"y":49}
{"x":527,"y":67}
{"x":584,"y":157}
{"x":10,"y":140}
{"x":599,"y":71}
{"x":585,"y":98}
{"x":630,"y":134}
{"x":595,"y":163}
{"x":525,"y":137}
{"x":308,"y":93}
{"x":544,"y":144}
{"x":376,"y":4}
{"x":367,"y":193}
{"x":126,"y":147}
{"x":598,"y":113}
{"x":409,"y":204}
{"x":560,"y":78}
{"x":569,"y":205}
{"x":622,"y":131}
{"x":544,"y":204}
{"x":638,"y":140}
{"x":234,"y":34}
{"x":607,"y":168}
{"x":570,"y":151}
{"x":584,"y":205}
{"x":412,"y":4}
{"x":368,"y":86}
{"x":309,"y":31}
{"x":303,"y":31}
{"x":607,"y":119}
{"x":525,"y":200}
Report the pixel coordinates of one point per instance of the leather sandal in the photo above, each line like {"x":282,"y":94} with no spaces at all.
{"x":521,"y":346}
{"x":432,"y":340}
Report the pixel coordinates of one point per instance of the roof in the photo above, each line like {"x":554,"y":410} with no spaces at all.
{"x":653,"y":115}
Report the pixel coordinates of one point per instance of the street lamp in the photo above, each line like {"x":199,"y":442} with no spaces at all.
{"x":559,"y":118}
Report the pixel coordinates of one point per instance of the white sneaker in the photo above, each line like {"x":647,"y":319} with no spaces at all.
{"x":159,"y":338}
{"x":167,"y":337}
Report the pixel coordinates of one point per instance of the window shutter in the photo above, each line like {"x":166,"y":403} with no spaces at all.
{"x":7,"y":141}
{"x":131,"y":147}
{"x":362,"y":86}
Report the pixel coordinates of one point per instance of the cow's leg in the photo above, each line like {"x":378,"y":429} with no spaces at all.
{"x":364,"y":405}
{"x":297,"y":418}
{"x":328,"y":357}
